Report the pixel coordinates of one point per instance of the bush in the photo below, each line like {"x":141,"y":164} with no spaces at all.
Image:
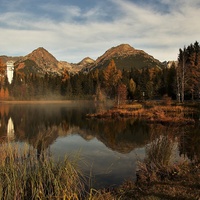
{"x":167,"y":101}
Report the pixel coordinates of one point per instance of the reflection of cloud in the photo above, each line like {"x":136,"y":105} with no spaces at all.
{"x":72,"y":32}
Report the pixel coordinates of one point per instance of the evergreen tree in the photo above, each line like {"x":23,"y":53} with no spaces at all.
{"x":188,"y":72}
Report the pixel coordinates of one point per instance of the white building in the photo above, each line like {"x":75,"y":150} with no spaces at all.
{"x":10,"y":70}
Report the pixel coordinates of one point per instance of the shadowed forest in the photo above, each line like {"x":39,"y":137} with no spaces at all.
{"x":180,"y":81}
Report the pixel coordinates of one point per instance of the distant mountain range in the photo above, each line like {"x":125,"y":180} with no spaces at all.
{"x":40,"y":61}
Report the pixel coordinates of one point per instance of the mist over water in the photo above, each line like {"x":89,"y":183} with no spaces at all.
{"x":108,"y":149}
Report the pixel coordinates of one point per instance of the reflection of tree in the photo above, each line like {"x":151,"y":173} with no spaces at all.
{"x":4,"y":117}
{"x":41,"y":125}
{"x":189,"y":144}
{"x":122,"y":135}
{"x":38,"y":125}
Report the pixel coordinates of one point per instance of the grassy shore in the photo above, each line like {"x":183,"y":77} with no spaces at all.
{"x":151,"y":112}
{"x":24,"y":175}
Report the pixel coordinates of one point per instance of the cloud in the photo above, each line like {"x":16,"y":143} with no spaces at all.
{"x":72,"y":32}
{"x":155,"y":29}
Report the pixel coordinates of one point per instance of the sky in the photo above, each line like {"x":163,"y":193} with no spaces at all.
{"x":74,"y":29}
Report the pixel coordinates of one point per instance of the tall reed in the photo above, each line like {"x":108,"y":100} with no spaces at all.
{"x":157,"y":164}
{"x":24,"y":175}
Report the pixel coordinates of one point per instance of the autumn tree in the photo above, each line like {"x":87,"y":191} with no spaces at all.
{"x":111,"y":78}
{"x":121,"y":94}
{"x":2,"y":92}
{"x":2,"y":71}
{"x":131,"y":88}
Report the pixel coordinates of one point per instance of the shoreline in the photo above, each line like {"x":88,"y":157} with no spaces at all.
{"x":41,"y":101}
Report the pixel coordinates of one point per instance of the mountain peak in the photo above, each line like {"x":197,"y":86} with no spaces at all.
{"x":38,"y":61}
{"x":123,"y":47}
{"x":122,"y":50}
{"x":42,"y":58}
{"x":86,"y":61}
{"x":126,"y":56}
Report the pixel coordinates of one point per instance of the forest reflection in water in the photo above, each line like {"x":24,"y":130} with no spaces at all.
{"x":109,"y":149}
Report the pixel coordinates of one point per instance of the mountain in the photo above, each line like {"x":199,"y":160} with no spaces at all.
{"x":43,"y":58}
{"x":7,"y":58}
{"x":39,"y":61}
{"x":86,"y":62}
{"x":76,"y":68}
{"x":126,"y":57}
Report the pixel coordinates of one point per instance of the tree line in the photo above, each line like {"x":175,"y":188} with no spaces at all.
{"x":188,"y":72}
{"x":179,"y":82}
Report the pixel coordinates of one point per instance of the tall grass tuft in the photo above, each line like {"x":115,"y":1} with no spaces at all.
{"x":25,"y":176}
{"x":159,"y":151}
{"x":157,"y":164}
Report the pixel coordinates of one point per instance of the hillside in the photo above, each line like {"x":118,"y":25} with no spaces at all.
{"x":74,"y":68}
{"x":39,"y":61}
{"x":126,"y":57}
{"x":4,"y":58}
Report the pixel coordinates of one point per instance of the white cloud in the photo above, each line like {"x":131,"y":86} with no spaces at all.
{"x":72,"y":33}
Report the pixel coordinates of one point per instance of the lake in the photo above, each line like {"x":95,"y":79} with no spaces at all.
{"x":108,"y":150}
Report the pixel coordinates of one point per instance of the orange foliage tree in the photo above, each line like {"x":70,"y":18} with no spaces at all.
{"x":111,"y":78}
{"x":121,"y":94}
{"x":4,"y":94}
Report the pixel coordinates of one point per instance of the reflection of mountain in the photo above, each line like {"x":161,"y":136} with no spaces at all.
{"x":38,"y":125}
{"x":121,"y":136}
{"x":41,"y":125}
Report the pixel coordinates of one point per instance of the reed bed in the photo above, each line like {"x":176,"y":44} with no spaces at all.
{"x":24,"y":175}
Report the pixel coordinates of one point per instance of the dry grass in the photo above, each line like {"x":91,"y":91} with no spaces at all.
{"x":159,"y":178}
{"x":24,"y":176}
{"x":100,"y":195}
{"x":153,"y":114}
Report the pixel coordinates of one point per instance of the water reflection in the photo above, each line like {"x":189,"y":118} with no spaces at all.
{"x":10,"y":130}
{"x":110,"y":148}
{"x":189,"y":144}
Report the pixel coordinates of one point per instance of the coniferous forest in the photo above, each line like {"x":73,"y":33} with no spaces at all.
{"x":179,"y":81}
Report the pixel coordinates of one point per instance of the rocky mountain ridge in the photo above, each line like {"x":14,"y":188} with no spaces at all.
{"x":42,"y":62}
{"x":126,"y":57}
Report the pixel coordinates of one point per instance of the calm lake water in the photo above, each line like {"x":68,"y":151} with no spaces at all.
{"x":109,"y":150}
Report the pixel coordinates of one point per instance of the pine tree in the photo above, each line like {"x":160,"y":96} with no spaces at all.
{"x":188,"y":72}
